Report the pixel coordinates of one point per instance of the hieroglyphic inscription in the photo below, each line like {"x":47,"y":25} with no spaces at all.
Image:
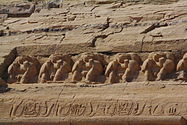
{"x":33,"y":108}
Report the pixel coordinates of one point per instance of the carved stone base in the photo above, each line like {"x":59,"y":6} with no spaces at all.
{"x":133,"y":120}
{"x":142,"y":103}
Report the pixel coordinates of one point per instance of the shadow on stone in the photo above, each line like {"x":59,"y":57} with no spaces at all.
{"x":4,"y":89}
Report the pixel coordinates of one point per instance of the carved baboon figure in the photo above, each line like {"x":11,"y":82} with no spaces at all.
{"x":89,"y":66}
{"x":95,"y":71}
{"x":93,"y":68}
{"x":44,"y":74}
{"x":24,"y":69}
{"x":158,"y":66}
{"x":13,"y":72}
{"x":112,"y":71}
{"x":30,"y":69}
{"x":166,"y":64}
{"x":182,"y":68}
{"x":62,"y":71}
{"x":77,"y":71}
{"x":131,"y":71}
{"x":148,"y":68}
{"x":56,"y":68}
{"x":133,"y":68}
{"x":124,"y":67}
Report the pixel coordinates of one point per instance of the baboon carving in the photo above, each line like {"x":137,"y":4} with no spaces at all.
{"x":149,"y":68}
{"x":89,"y":66}
{"x":167,"y":66}
{"x":24,"y":70}
{"x":111,"y":71}
{"x":182,"y":68}
{"x":56,"y":68}
{"x":96,"y":68}
{"x":124,"y":67}
{"x":158,"y":65}
{"x":77,"y":70}
{"x":44,"y":74}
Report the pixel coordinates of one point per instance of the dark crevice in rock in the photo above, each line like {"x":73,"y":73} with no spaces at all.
{"x":93,"y":42}
{"x":175,"y":16}
{"x":105,"y":26}
{"x":142,"y":43}
{"x":108,"y":53}
{"x":103,"y":36}
{"x":7,"y":62}
{"x":49,"y":30}
{"x":94,"y":8}
{"x":154,"y":26}
{"x":40,"y":30}
{"x":2,"y":33}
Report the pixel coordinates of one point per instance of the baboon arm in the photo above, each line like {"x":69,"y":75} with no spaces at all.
{"x":180,"y":65}
{"x":75,"y":67}
{"x":144,"y":66}
{"x":108,"y":69}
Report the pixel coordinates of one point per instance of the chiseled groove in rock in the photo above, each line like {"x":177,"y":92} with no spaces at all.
{"x":103,"y":36}
{"x":142,"y":42}
{"x":93,"y":41}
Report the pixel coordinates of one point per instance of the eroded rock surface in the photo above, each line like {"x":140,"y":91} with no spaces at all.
{"x":106,"y":27}
{"x":100,"y":28}
{"x":105,"y":60}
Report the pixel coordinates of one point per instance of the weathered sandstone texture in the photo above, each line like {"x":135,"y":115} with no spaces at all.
{"x":101,"y":62}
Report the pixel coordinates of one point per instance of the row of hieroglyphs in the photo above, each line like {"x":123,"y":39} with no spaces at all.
{"x":93,"y":68}
{"x":34,"y":108}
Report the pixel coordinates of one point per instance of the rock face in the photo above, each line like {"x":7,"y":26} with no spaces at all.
{"x":94,"y":62}
{"x":18,"y":10}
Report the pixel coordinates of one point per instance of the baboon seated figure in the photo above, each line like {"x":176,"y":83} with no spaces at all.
{"x":45,"y":70}
{"x":89,"y":66}
{"x":124,"y":68}
{"x":158,"y":65}
{"x":182,"y":68}
{"x":30,"y":69}
{"x":95,"y":71}
{"x":24,"y":69}
{"x":56,"y":68}
{"x":63,"y":70}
